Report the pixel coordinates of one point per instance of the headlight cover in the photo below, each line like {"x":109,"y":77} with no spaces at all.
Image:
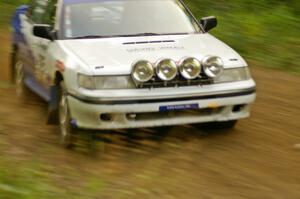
{"x":190,"y":68}
{"x":85,"y":81}
{"x":105,"y":82}
{"x":233,"y":75}
{"x":143,"y":71}
{"x":212,"y":66}
{"x":166,"y":69}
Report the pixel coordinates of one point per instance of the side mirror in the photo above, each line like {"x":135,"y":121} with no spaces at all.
{"x":43,"y":31}
{"x":209,"y":23}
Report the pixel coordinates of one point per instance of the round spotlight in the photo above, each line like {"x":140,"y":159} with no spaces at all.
{"x":143,"y":71}
{"x":166,"y":69}
{"x":190,"y":68}
{"x":212,"y":66}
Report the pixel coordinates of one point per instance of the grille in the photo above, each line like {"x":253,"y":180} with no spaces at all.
{"x":175,"y":114}
{"x":177,"y":82}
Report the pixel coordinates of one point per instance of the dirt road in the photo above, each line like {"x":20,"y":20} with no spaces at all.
{"x":258,"y":159}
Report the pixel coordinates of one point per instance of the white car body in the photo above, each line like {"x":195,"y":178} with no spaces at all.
{"x":140,"y":107}
{"x":119,"y":58}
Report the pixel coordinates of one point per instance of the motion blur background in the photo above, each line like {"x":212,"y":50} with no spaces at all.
{"x":259,"y":159}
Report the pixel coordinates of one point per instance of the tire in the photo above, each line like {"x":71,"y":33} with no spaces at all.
{"x":67,"y":131}
{"x":226,"y":125}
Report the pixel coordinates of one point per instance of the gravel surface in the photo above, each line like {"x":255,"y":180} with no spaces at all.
{"x":260,"y":158}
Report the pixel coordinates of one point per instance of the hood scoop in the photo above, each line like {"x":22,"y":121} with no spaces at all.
{"x":149,"y":42}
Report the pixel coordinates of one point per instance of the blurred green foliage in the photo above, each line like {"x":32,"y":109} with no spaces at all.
{"x":266,"y":32}
{"x":36,"y":180}
{"x":7,"y":8}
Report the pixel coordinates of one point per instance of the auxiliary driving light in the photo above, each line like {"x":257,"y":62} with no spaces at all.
{"x":166,"y":69}
{"x":190,"y":68}
{"x":212,"y":66}
{"x":143,"y":71}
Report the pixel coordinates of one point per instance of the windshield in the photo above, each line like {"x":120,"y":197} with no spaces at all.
{"x":98,"y":18}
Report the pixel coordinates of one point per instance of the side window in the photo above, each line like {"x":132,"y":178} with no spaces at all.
{"x":37,"y":10}
{"x":42,"y":11}
{"x":49,"y":17}
{"x":30,"y":8}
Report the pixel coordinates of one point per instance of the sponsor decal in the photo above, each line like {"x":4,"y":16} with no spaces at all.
{"x":152,"y":49}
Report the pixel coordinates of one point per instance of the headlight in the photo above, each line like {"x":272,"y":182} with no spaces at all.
{"x":190,"y":68}
{"x":143,"y":71}
{"x":212,"y":66}
{"x":105,"y":82}
{"x":233,"y":75}
{"x":166,"y":69}
{"x":87,"y":82}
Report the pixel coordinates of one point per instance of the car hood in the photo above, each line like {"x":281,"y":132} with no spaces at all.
{"x":115,"y":56}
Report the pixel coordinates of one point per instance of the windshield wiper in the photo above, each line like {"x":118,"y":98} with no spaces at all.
{"x":141,"y":34}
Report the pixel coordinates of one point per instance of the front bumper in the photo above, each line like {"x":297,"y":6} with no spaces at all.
{"x":122,"y":114}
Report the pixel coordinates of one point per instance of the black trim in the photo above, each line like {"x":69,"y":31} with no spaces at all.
{"x":192,"y":15}
{"x":145,"y":101}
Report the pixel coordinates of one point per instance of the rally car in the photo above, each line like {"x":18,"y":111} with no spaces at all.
{"x":119,"y":64}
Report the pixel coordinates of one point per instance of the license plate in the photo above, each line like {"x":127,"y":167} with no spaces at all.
{"x":178,"y":107}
